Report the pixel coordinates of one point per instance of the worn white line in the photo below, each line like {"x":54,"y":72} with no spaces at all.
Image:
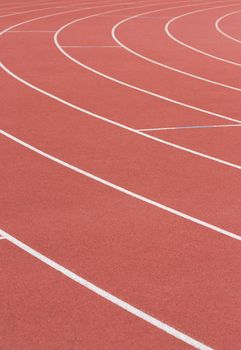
{"x":2,"y":237}
{"x":217,"y":26}
{"x":106,"y":295}
{"x":134,"y":52}
{"x":122,"y":189}
{"x":167,"y":29}
{"x":97,"y":116}
{"x":191,"y":127}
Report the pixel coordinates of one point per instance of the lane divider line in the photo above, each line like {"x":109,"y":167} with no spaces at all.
{"x":92,"y":46}
{"x":192,"y":127}
{"x":29,"y":11}
{"x":55,"y":5}
{"x":106,"y":295}
{"x":43,"y":9}
{"x":31,"y":31}
{"x":122,"y":189}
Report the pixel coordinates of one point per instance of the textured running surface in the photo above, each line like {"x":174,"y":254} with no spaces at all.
{"x":120,"y":139}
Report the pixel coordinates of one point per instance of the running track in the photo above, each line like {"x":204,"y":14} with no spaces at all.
{"x":120,"y":175}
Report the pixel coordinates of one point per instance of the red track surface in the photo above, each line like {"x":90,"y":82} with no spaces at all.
{"x":155,"y":220}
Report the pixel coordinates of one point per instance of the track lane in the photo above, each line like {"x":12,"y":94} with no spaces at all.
{"x":42,"y":309}
{"x":53,"y":6}
{"x":193,"y":293}
{"x":223,"y":142}
{"x":27,"y":6}
{"x":30,"y":24}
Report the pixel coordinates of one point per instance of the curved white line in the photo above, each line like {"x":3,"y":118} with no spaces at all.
{"x":121,"y":82}
{"x":57,"y":5}
{"x":122,"y":189}
{"x":104,"y":3}
{"x":35,"y":10}
{"x":167,"y":29}
{"x":97,"y":116}
{"x":217,"y":26}
{"x":104,"y":294}
{"x":159,"y":63}
{"x":54,"y":3}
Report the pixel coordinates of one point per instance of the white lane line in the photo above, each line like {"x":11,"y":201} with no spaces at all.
{"x":29,"y":11}
{"x":103,"y":4}
{"x":29,"y":4}
{"x":90,"y":46}
{"x":217,"y":26}
{"x":25,"y":5}
{"x":192,"y":127}
{"x":2,"y":237}
{"x":56,"y":4}
{"x":142,"y":15}
{"x":121,"y":82}
{"x":122,"y":189}
{"x":31,"y":31}
{"x":42,"y":9}
{"x":106,"y":295}
{"x":97,"y":116}
{"x":175,"y":19}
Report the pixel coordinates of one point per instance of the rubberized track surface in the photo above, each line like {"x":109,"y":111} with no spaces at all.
{"x":120,"y":221}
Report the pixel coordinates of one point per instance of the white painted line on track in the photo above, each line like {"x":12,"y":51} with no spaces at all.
{"x":142,"y":15}
{"x":56,"y":4}
{"x":41,"y":9}
{"x":1,"y":238}
{"x":121,"y":82}
{"x":31,"y":31}
{"x":106,"y":295}
{"x":191,"y":127}
{"x":122,"y":189}
{"x":217,"y":26}
{"x":25,"y":5}
{"x":28,"y":4}
{"x":167,"y":29}
{"x":29,"y":11}
{"x":97,"y":116}
{"x":91,"y":46}
{"x":103,"y":4}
